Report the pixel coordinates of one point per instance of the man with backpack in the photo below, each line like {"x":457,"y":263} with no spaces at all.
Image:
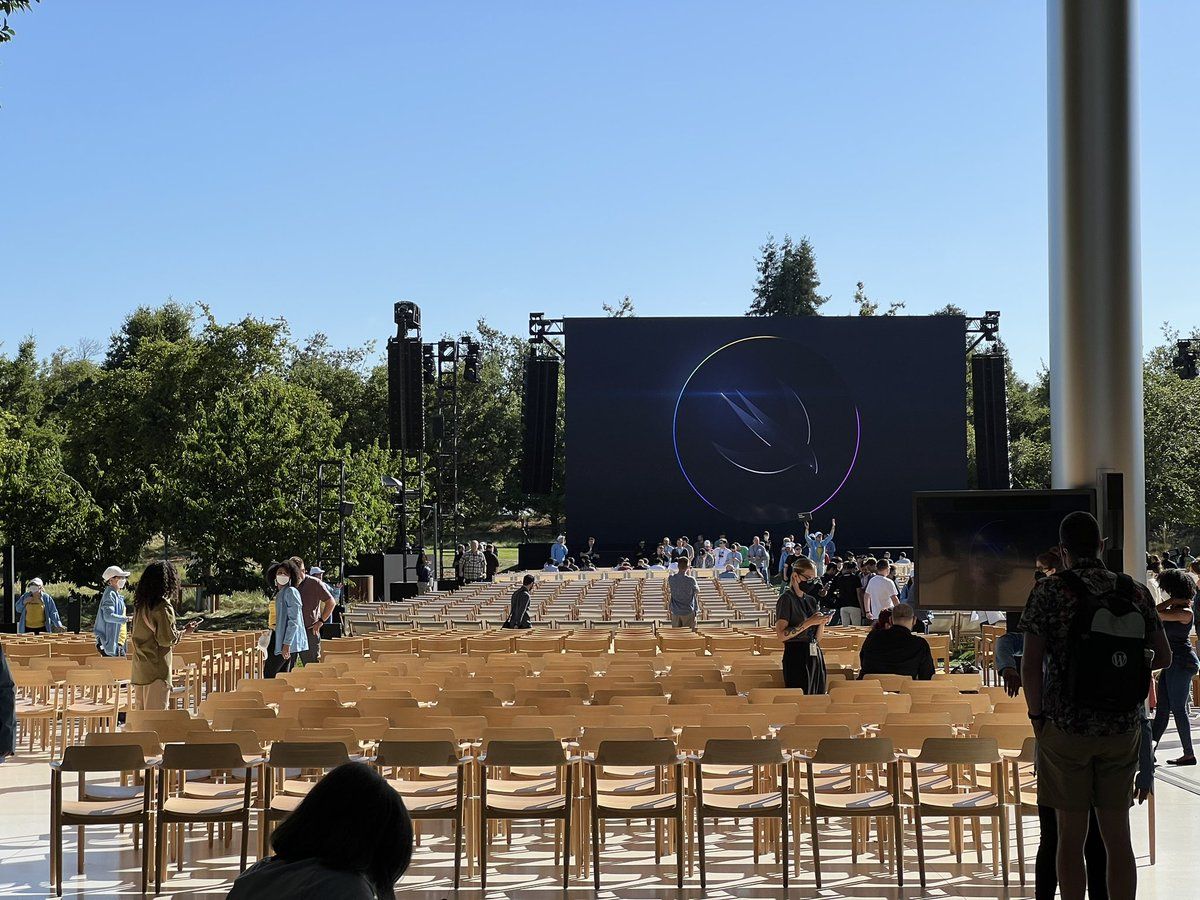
{"x":1092,"y":639}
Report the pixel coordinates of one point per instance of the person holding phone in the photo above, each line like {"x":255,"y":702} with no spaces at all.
{"x":154,"y":635}
{"x":290,"y":637}
{"x":799,"y":625}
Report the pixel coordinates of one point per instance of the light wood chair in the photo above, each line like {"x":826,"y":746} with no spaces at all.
{"x":281,"y":795}
{"x":82,"y":813}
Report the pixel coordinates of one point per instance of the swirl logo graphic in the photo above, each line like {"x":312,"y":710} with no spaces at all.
{"x":765,"y":428}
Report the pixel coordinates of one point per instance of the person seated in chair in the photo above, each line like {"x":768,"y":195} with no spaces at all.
{"x":896,"y":650}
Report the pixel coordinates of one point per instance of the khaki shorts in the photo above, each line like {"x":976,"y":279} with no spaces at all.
{"x":688,"y":621}
{"x":1077,"y":771}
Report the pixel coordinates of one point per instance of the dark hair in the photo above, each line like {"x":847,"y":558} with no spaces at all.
{"x":883,"y":622}
{"x":299,"y":563}
{"x":159,"y":582}
{"x":351,"y":820}
{"x":528,"y":579}
{"x":1049,"y":560}
{"x":1079,"y":534}
{"x":1177,"y":583}
{"x":288,"y":566}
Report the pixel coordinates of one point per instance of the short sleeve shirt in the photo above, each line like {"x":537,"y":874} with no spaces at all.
{"x":794,"y":610}
{"x":1048,"y":614}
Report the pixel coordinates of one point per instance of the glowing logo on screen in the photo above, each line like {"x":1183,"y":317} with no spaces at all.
{"x":764,"y":429}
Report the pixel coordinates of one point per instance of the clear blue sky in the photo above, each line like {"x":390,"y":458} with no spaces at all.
{"x":321,"y":160}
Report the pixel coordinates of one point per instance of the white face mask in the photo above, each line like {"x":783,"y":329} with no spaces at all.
{"x":121,"y":584}
{"x":282,"y":580}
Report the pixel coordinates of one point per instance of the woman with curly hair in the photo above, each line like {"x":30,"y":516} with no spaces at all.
{"x":1175,"y":681}
{"x":154,"y":634}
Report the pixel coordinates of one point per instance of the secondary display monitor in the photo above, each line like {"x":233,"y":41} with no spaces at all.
{"x":687,"y":426}
{"x":976,"y":549}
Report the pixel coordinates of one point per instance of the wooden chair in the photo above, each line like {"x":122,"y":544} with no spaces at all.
{"x":279,"y":800}
{"x":37,"y":703}
{"x":956,"y":803}
{"x":175,"y":807}
{"x":508,"y":805}
{"x":430,"y":798}
{"x":863,"y":799}
{"x":625,"y":798}
{"x":765,"y":757}
{"x":82,"y":812}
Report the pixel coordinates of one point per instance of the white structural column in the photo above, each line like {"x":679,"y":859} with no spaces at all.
{"x":1095,"y":274}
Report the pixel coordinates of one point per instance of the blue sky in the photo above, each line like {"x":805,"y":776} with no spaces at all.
{"x":319,"y":161}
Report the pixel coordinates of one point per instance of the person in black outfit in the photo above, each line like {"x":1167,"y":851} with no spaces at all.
{"x":8,"y":710}
{"x":518,"y":612}
{"x":896,"y":650}
{"x":491,"y":562}
{"x":799,"y":624}
{"x":845,"y":588}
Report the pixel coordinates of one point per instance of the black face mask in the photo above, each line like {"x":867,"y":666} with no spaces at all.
{"x":1038,"y":574}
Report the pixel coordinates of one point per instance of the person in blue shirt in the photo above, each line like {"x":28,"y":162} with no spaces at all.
{"x":36,"y":612}
{"x":558,"y":550}
{"x":818,"y":545}
{"x":290,"y":637}
{"x":110,"y":615}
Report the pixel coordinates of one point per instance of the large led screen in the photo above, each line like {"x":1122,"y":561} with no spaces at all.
{"x":734,"y":425}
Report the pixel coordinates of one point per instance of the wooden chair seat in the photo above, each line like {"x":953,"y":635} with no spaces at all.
{"x":422,"y":803}
{"x":963,"y":801}
{"x":115,"y":811}
{"x":207,"y":809}
{"x":410,"y":788}
{"x":715,"y":800}
{"x":499,"y":804}
{"x":107,"y":792}
{"x":620,"y":801}
{"x":285,"y":803}
{"x":854,"y":801}
{"x":513,"y":787}
{"x":640,"y":783}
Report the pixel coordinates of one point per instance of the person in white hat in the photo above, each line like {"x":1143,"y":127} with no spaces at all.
{"x":110,"y":614}
{"x":36,"y":611}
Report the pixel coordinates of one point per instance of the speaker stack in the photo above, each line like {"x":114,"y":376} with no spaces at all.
{"x":406,"y":404}
{"x":990,"y":402}
{"x":540,"y":415}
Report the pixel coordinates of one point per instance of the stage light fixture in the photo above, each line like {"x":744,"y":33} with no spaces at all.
{"x":471,"y":364}
{"x":1185,"y":362}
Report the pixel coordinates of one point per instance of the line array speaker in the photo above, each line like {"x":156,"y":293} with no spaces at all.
{"x":540,"y":416}
{"x":406,"y":404}
{"x":990,"y":402}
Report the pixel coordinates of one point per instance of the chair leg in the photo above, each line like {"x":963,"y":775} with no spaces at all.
{"x":1003,"y":843}
{"x":483,"y":842}
{"x":566,"y":859}
{"x":679,"y":849}
{"x":58,"y":854}
{"x":160,"y":860}
{"x":145,"y":854}
{"x":898,"y":847}
{"x":816,"y":844}
{"x":458,"y":842}
{"x":1020,"y":843}
{"x":783,"y":841}
{"x":597,"y":824}
{"x":921,"y":848}
{"x":245,"y":839}
{"x":700,"y":844}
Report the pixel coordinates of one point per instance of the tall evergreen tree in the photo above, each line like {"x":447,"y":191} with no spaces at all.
{"x":787,"y":280}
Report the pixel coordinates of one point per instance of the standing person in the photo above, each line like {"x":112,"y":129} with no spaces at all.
{"x":110,"y":614}
{"x":154,"y":634}
{"x":722,"y":555}
{"x":706,"y":559}
{"x":491,"y":562}
{"x":459,"y":553}
{"x":558,"y":550}
{"x":317,"y":603}
{"x":1175,"y":681}
{"x":474,"y":566}
{"x":591,"y":552}
{"x":424,"y":574}
{"x":685,"y":595}
{"x":36,"y":611}
{"x":881,"y":592}
{"x":847,"y":591}
{"x":290,"y":637}
{"x":799,"y":625}
{"x":1085,"y":704}
{"x":518,"y":608}
{"x":757,"y":554}
{"x":818,"y":544}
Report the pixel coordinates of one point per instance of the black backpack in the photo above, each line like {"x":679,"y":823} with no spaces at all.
{"x":1107,"y":669}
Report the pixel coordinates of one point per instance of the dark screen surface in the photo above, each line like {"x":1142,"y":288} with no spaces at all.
{"x":976,"y":550}
{"x":701,"y":425}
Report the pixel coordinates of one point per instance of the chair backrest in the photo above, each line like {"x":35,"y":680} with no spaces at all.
{"x":417,"y":753}
{"x":517,"y":735}
{"x":525,"y":752}
{"x":563,"y":727}
{"x":119,"y":758}
{"x":725,"y":752}
{"x":247,"y":739}
{"x":960,"y":751}
{"x":307,"y":755}
{"x":593,"y":737}
{"x":147,"y":740}
{"x":758,"y":723}
{"x":855,"y":750}
{"x":696,"y":737}
{"x":225,"y":755}
{"x":637,"y":752}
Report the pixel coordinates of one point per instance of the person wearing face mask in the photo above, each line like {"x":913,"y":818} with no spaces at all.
{"x":110,"y":615}
{"x":799,"y":625}
{"x":36,"y":611}
{"x":290,"y":637}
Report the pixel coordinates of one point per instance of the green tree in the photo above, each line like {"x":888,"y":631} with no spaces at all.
{"x":869,"y":307}
{"x":787,"y":280}
{"x":622,"y":309}
{"x":8,"y":8}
